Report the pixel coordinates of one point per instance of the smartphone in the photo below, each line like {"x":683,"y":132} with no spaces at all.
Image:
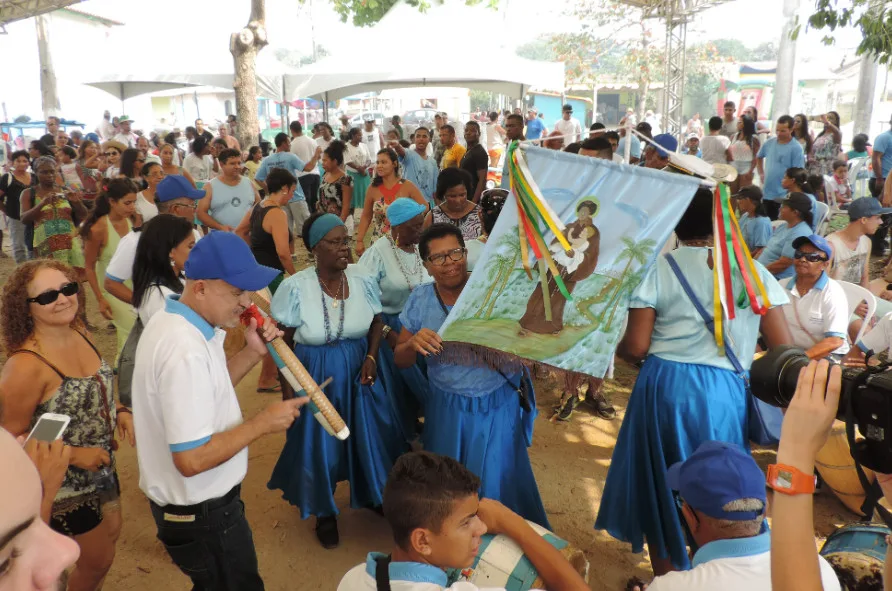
{"x":49,"y":427}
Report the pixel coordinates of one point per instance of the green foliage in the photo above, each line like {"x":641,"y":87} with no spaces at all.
{"x":483,"y":99}
{"x":539,"y":50}
{"x":296,"y":59}
{"x":873,"y":17}
{"x":365,"y":13}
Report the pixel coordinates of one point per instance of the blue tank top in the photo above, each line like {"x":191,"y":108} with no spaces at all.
{"x":230,"y":204}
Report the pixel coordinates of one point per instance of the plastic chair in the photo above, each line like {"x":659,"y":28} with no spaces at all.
{"x":859,"y":185}
{"x":855,"y":294}
{"x":822,"y":210}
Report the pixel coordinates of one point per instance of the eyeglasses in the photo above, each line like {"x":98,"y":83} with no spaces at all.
{"x":48,"y":297}
{"x":811,"y":257}
{"x":192,"y":205}
{"x":454,"y":255}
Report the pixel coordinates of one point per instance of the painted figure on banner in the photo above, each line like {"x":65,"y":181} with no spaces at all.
{"x":545,"y":312}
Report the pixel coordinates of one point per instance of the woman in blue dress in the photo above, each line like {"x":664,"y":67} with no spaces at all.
{"x":334,"y":309}
{"x":393,"y":260}
{"x":686,"y":393}
{"x":473,"y":414}
{"x":755,"y":225}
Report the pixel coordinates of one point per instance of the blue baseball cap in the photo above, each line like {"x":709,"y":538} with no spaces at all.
{"x":225,"y":256}
{"x":716,"y":474}
{"x":666,"y":143}
{"x":866,"y":207}
{"x":817,"y":241}
{"x":404,"y":209}
{"x":175,"y":186}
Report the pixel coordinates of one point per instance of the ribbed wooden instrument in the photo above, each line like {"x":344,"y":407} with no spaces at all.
{"x":296,"y":374}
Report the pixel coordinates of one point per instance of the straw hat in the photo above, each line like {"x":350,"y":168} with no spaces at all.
{"x":114,"y":144}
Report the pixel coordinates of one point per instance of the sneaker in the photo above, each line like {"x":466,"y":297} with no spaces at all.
{"x":602,"y":407}
{"x":327,"y":532}
{"x":564,"y":413}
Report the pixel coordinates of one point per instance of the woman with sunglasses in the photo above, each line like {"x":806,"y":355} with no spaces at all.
{"x":334,"y":311}
{"x":818,"y":314}
{"x":112,"y":151}
{"x":687,"y":391}
{"x":827,"y":145}
{"x":146,"y":207}
{"x":473,"y":413}
{"x":169,"y":164}
{"x":101,"y":232}
{"x":132,"y":161}
{"x":161,"y":253}
{"x":52,"y":367}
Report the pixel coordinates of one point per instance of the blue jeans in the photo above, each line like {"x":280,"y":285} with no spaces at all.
{"x":18,"y":239}
{"x":211,"y":543}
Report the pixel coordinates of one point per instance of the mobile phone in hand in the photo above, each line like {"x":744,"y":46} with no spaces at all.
{"x":49,"y":427}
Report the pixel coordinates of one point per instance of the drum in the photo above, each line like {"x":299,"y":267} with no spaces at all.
{"x":500,"y":563}
{"x":837,"y":468}
{"x":857,"y":553}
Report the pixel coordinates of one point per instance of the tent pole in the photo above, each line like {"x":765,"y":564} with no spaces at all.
{"x":325,"y":107}
{"x":285,"y":109}
{"x":121,"y":84}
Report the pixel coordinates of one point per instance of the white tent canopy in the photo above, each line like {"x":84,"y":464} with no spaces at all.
{"x":384,"y":57}
{"x":180,"y":71}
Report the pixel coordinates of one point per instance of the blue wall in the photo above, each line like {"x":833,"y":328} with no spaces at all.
{"x":551,"y":106}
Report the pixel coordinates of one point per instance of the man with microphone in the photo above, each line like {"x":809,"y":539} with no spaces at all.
{"x":192,"y":442}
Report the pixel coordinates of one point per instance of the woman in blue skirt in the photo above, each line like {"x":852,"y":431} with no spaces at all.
{"x":473,"y":414}
{"x":686,"y":393}
{"x":334,"y":309}
{"x":393,"y":260}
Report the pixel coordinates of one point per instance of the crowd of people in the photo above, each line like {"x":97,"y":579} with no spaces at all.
{"x":173,"y":247}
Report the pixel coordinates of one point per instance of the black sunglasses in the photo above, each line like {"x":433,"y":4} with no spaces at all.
{"x":48,"y":297}
{"x":811,"y":257}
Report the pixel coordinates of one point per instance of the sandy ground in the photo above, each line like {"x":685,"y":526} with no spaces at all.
{"x":570,"y":461}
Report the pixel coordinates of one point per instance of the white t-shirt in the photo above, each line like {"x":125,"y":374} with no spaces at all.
{"x":200,"y":167}
{"x":356,"y":155}
{"x":128,"y":139}
{"x":153,"y":301}
{"x":182,"y":395}
{"x":120,"y":267}
{"x":372,"y":142}
{"x":147,"y":209}
{"x":879,"y":338}
{"x":731,"y":565}
{"x":570,"y":128}
{"x":848,"y":264}
{"x":304,"y":148}
{"x":712,"y":149}
{"x":820,"y":313}
{"x":405,"y":576}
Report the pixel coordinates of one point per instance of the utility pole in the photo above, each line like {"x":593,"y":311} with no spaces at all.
{"x":49,"y":95}
{"x":786,"y":61}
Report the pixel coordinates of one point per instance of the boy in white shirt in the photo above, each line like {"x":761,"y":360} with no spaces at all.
{"x":438,"y":521}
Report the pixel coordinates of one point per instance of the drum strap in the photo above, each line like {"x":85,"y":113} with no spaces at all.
{"x":382,"y":572}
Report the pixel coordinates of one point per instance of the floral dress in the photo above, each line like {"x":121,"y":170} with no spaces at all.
{"x":54,"y":234}
{"x":331,"y":195}
{"x":824,"y":151}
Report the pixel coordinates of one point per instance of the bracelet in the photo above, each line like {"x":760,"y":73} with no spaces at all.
{"x":375,"y":361}
{"x":124,"y":409}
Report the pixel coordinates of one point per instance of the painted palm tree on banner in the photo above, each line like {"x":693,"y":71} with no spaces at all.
{"x":634,"y":252}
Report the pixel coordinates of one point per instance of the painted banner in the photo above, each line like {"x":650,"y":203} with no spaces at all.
{"x":574,"y":239}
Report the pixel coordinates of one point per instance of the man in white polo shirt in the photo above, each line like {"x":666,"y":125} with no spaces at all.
{"x":192,"y":441}
{"x":818,"y":311}
{"x":174,"y":195}
{"x":721,"y":491}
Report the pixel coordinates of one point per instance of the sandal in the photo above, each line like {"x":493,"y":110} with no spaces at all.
{"x":635,"y":584}
{"x":327,"y":532}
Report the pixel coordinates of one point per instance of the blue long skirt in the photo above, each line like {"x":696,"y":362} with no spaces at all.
{"x":674,"y":408}
{"x":408,"y":388}
{"x":360,"y":186}
{"x":313,"y":462}
{"x":488,"y":435}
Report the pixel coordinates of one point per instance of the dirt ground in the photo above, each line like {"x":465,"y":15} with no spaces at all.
{"x":570,"y":461}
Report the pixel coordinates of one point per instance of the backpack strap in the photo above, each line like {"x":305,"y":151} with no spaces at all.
{"x":382,"y":572}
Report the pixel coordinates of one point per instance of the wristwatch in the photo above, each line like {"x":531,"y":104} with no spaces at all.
{"x":790,"y":481}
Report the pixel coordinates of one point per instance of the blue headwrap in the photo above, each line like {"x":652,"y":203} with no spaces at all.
{"x":322,"y":226}
{"x":404,"y":209}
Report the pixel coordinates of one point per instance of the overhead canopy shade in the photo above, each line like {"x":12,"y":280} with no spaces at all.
{"x":16,"y":10}
{"x":181,"y":72}
{"x":338,"y":77}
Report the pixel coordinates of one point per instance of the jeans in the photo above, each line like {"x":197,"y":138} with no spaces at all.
{"x":309,"y":184}
{"x":878,"y":240}
{"x":17,"y":238}
{"x":297,"y":213}
{"x":212,"y":544}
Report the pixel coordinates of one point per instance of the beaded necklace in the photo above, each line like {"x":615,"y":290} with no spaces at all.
{"x":335,"y":304}
{"x":406,"y":272}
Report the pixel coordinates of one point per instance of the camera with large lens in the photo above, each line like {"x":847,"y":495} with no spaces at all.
{"x":865,"y":400}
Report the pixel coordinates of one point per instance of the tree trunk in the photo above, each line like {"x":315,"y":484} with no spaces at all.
{"x":867,"y":85}
{"x":244,"y":46}
{"x":786,"y":62}
{"x":48,"y":93}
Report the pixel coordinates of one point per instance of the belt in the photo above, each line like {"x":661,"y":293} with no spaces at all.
{"x":203,"y":507}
